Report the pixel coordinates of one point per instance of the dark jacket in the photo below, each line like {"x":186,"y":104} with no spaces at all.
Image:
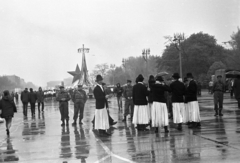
{"x":63,"y":95}
{"x":191,"y":92}
{"x":159,"y":92}
{"x":140,"y":94}
{"x":32,"y":97}
{"x":178,"y":91}
{"x":79,"y":96}
{"x":218,"y":87}
{"x":128,"y":91}
{"x":40,"y":96}
{"x":24,"y":96}
{"x":236,"y":88}
{"x":7,"y":106}
{"x":118,"y":91}
{"x":150,"y":95}
{"x":99,"y":95}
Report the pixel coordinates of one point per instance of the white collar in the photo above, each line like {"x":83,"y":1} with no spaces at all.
{"x":100,"y":86}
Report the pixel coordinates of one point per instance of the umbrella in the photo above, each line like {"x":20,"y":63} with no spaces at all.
{"x":162,"y":74}
{"x":232,"y":74}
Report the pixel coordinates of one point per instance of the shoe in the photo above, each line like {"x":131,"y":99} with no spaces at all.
{"x":166,"y":129}
{"x":106,"y":134}
{"x":113,"y":123}
{"x":216,"y":113}
{"x":179,"y":127}
{"x":8,"y":133}
{"x":63,"y":124}
{"x":124,"y":120}
{"x":220,"y":113}
{"x":156,"y":130}
{"x":74,"y":123}
{"x":80,"y":122}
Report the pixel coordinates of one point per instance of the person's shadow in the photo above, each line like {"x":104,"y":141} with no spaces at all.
{"x":82,"y":147}
{"x":9,"y":154}
{"x":65,"y":143}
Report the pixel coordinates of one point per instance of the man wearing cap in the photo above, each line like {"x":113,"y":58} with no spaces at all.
{"x":101,"y":115}
{"x":127,"y":93}
{"x":63,"y":97}
{"x":218,"y":90}
{"x":79,"y":98}
{"x":178,"y":91}
{"x":192,"y":103}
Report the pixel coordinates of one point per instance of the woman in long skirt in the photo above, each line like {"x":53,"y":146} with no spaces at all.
{"x":7,"y":109}
{"x":159,"y":107}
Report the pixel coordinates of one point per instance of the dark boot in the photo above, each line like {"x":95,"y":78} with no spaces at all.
{"x":198,"y":125}
{"x":193,"y":125}
{"x":80,"y":122}
{"x":8,"y":133}
{"x":220,"y":112}
{"x":74,"y":123}
{"x":179,"y":127}
{"x":216,"y":113}
{"x":105,"y":133}
{"x":124,"y":119}
{"x":156,"y":130}
{"x":166,"y":129}
{"x":63,"y":123}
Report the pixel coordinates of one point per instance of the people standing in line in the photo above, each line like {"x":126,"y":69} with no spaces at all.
{"x":63,"y":97}
{"x":192,"y":102}
{"x":159,"y":108}
{"x":40,"y":99}
{"x":178,"y":91}
{"x":7,"y":109}
{"x":119,"y":92}
{"x":79,"y":98}
{"x":151,"y":81}
{"x":129,"y":107}
{"x":218,"y":91}
{"x":25,"y":100}
{"x":236,"y":87}
{"x":32,"y":100}
{"x":101,"y":114}
{"x":141,"y":117}
{"x":16,"y":97}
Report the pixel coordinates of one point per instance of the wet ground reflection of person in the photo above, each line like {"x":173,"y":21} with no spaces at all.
{"x":65,"y":143}
{"x":130,"y":133}
{"x":9,"y":154}
{"x":82,"y":147}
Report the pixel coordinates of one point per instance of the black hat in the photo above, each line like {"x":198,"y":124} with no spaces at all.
{"x":140,"y":78}
{"x":129,"y":81}
{"x":159,"y":78}
{"x":189,"y":75}
{"x":176,"y":76}
{"x":219,"y":76}
{"x":99,"y":78}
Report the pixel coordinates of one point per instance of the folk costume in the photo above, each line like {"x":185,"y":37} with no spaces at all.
{"x":63,"y":97}
{"x":101,"y":114}
{"x":79,"y":98}
{"x":141,"y":115}
{"x":192,"y":103}
{"x":218,"y":90}
{"x":159,"y":108}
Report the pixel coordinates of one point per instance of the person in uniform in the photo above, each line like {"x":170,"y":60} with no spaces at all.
{"x":101,"y":114}
{"x":79,"y":98}
{"x":178,"y":91}
{"x":127,"y":93}
{"x":218,"y":90}
{"x":192,"y":103}
{"x":141,"y":115}
{"x":119,"y":91}
{"x":159,"y":106}
{"x":63,"y":97}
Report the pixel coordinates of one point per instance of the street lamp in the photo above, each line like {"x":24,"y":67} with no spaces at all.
{"x":177,"y":39}
{"x":145,"y":53}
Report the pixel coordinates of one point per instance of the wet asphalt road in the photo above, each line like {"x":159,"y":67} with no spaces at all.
{"x":41,"y":139}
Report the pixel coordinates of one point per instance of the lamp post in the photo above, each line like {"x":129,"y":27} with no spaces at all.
{"x":145,"y":53}
{"x":177,"y":39}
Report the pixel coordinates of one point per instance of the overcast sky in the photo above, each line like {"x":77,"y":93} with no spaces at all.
{"x":39,"y":39}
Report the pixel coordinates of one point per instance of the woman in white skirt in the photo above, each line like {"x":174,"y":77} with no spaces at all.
{"x":101,"y":115}
{"x":178,"y":91}
{"x":141,"y":115}
{"x":192,"y":103}
{"x":159,"y":108}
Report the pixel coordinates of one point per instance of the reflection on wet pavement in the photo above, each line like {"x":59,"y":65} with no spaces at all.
{"x":42,"y":139}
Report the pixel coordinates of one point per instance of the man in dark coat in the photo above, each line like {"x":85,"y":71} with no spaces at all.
{"x":101,"y":115}
{"x":40,"y":99}
{"x":79,"y":97}
{"x":24,"y":99}
{"x":32,"y":99}
{"x":178,"y":91}
{"x":236,"y":87}
{"x":63,"y":97}
{"x":191,"y":99}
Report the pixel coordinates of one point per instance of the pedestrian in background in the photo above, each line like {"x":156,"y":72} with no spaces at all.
{"x":32,"y":100}
{"x":63,"y":97}
{"x":79,"y":98}
{"x":218,"y":91}
{"x":151,"y":81}
{"x":236,"y":87}
{"x":40,"y":99}
{"x":16,"y":97}
{"x":129,"y":107}
{"x":119,"y":92}
{"x":25,"y":100}
{"x":7,"y":109}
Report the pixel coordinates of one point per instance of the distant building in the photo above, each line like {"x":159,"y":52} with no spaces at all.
{"x":68,"y":81}
{"x":52,"y":84}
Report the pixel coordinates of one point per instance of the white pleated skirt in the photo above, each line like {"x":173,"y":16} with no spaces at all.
{"x":150,"y":110}
{"x":194,"y":113}
{"x":159,"y":114}
{"x":141,"y":114}
{"x":178,"y":112}
{"x":186,"y":114}
{"x":101,"y":119}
